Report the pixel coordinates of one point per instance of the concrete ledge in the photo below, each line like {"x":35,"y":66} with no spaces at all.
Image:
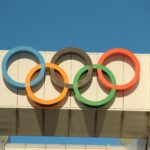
{"x":61,"y":147}
{"x":83,"y":123}
{"x":134,"y":145}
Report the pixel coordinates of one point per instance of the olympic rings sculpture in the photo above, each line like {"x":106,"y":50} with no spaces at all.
{"x":77,"y":82}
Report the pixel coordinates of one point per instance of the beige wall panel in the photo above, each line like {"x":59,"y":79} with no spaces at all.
{"x":138,"y":98}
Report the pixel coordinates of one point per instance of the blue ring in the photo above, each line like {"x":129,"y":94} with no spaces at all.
{"x":18,"y":50}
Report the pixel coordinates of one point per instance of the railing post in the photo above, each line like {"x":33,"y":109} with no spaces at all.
{"x":3,"y":141}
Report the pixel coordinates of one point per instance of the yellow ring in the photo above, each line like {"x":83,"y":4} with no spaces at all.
{"x":39,"y":100}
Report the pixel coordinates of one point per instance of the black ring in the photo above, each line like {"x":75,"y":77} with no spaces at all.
{"x":78,"y":52}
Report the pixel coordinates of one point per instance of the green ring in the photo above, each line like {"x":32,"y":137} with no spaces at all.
{"x":86,"y":101}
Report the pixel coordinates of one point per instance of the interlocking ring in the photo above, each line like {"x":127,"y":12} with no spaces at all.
{"x":128,"y":54}
{"x":77,"y":84}
{"x":90,"y":102}
{"x":18,"y":50}
{"x":40,"y":100}
{"x":78,"y":52}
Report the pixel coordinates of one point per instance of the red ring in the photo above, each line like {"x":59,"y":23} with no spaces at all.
{"x":132,"y":57}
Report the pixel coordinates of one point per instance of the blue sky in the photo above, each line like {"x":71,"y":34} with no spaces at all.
{"x":93,"y":25}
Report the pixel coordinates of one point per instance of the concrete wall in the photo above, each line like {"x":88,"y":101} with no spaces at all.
{"x":127,"y":116}
{"x":60,"y":147}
